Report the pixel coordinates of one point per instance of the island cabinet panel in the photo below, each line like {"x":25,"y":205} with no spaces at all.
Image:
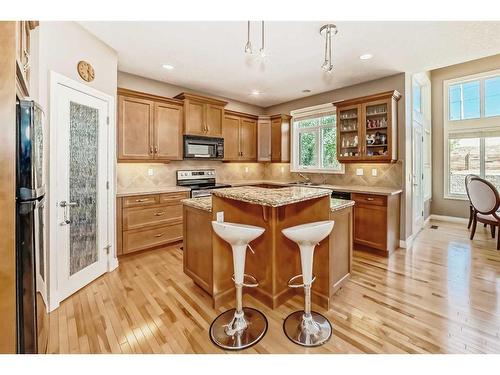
{"x":240,"y":136}
{"x":341,"y":245}
{"x":148,"y":221}
{"x":202,"y":115}
{"x":367,"y":128}
{"x":198,"y":255}
{"x":376,"y":223}
{"x":149,"y":127}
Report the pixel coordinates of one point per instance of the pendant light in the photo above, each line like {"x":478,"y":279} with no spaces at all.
{"x":248,"y":46}
{"x":262,"y":52}
{"x":328,"y":30}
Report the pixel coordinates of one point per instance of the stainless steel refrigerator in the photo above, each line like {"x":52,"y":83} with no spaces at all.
{"x":30,"y":204}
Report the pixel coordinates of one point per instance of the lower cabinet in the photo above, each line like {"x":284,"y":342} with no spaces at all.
{"x":376,"y":222}
{"x":148,"y":221}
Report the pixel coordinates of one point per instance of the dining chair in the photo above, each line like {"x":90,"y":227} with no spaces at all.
{"x":471,"y":208}
{"x":485,"y":201}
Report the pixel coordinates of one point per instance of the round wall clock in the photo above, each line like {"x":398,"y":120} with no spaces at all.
{"x":86,"y":71}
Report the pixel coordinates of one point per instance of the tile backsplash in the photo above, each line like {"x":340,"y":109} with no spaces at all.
{"x":136,"y":175}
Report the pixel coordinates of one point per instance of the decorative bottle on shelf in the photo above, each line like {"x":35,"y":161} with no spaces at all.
{"x":343,"y":142}
{"x":356,"y":140}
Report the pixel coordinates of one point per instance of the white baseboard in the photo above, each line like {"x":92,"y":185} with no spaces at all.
{"x":450,"y":219}
{"x":406,"y":244}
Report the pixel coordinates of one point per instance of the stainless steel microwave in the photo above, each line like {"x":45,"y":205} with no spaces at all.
{"x":207,"y":148}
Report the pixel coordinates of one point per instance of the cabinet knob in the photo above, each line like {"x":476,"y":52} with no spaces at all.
{"x":156,"y":149}
{"x":150,"y":149}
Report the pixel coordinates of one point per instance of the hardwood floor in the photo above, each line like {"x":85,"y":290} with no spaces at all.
{"x":442,"y":296}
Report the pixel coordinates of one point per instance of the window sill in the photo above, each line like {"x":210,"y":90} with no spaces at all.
{"x":456,"y":197}
{"x":323,"y":171}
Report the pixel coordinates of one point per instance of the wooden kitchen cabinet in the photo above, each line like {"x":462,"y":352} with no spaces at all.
{"x":147,"y":221}
{"x":280,"y":138}
{"x":149,"y":127}
{"x":367,"y":128}
{"x":376,"y":222}
{"x":240,"y":136}
{"x":264,"y":138}
{"x":202,"y":115}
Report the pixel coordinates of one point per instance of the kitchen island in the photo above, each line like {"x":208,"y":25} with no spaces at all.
{"x":208,"y":259}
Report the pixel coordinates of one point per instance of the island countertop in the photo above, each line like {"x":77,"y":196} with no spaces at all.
{"x":271,"y":197}
{"x":205,"y":203}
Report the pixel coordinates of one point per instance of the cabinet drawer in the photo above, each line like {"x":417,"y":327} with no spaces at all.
{"x":141,"y":200}
{"x":375,"y":200}
{"x":137,"y":240}
{"x":173,"y":198}
{"x":139,"y":217}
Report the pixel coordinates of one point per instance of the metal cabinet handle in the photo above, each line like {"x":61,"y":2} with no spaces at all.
{"x":66,"y":205}
{"x":369,"y":199}
{"x":159,"y":213}
{"x":141,"y":200}
{"x":159,"y":235}
{"x":150,"y":149}
{"x":156,"y":149}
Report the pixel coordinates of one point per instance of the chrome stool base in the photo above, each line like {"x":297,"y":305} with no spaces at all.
{"x":309,"y":331}
{"x":231,"y":332}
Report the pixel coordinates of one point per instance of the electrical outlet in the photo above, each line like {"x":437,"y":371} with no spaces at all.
{"x":359,"y":171}
{"x":151,"y":172}
{"x":374,"y":172}
{"x":220,"y":217}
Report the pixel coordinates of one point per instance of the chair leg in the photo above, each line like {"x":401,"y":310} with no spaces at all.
{"x":485,"y":225}
{"x":498,"y":239}
{"x":471,"y":214}
{"x":493,"y":230}
{"x":473,"y":230}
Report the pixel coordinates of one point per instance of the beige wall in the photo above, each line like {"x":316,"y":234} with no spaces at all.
{"x":150,"y":86}
{"x":439,"y":205}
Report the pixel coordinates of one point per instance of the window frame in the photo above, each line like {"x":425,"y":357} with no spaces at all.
{"x":482,"y":127}
{"x":300,"y":114}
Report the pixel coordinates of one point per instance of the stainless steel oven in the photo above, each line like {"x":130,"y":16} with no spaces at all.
{"x":201,"y":181}
{"x":206,"y":148}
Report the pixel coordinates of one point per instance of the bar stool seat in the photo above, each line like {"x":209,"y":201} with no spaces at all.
{"x":307,"y":328}
{"x":241,"y":327}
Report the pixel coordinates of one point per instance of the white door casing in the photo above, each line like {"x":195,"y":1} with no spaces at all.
{"x":87,"y":228}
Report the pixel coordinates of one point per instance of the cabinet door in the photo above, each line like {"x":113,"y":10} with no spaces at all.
{"x":194,"y":118}
{"x":215,"y":116}
{"x":276,"y":140}
{"x":350,"y":135}
{"x":231,"y":135}
{"x":264,"y":140}
{"x":370,"y":225}
{"x":248,"y":139}
{"x":377,"y":128}
{"x":167,"y":131}
{"x":135,"y":125}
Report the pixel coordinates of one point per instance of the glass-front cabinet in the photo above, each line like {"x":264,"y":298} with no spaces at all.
{"x":367,"y":128}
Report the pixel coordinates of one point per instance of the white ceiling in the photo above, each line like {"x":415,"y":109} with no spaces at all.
{"x":209,"y":57}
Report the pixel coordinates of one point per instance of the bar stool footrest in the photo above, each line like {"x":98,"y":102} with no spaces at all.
{"x":252,"y":279}
{"x":291,"y":285}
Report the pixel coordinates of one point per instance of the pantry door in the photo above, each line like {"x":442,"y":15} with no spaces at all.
{"x":81,"y":171}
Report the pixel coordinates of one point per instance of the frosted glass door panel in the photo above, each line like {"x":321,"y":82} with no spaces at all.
{"x":83,"y":156}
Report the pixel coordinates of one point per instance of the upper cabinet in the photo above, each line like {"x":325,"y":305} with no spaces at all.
{"x":264,"y":138}
{"x":280,"y":138}
{"x":367,"y":128}
{"x":23,"y":55}
{"x":202,"y":115}
{"x":149,"y":127}
{"x":240,"y":136}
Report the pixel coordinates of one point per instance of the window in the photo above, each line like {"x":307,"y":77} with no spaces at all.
{"x":471,"y":131}
{"x":314,"y":145}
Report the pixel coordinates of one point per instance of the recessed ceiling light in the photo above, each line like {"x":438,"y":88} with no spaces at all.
{"x":366,"y":56}
{"x":306,"y":91}
{"x":167,"y":66}
{"x":256,"y":92}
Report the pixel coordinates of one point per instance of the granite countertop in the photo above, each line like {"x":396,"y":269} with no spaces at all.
{"x":150,"y":190}
{"x":202,"y":203}
{"x":345,"y":188}
{"x":205,"y":203}
{"x":271,"y":197}
{"x":340,"y":204}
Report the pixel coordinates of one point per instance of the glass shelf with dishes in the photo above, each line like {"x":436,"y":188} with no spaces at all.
{"x":376,"y":129}
{"x":349,"y":140}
